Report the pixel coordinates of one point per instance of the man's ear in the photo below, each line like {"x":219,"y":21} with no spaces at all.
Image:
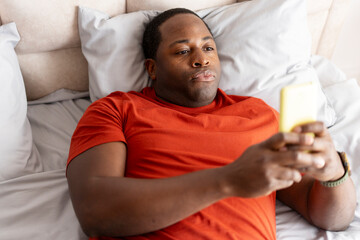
{"x":150,"y":65}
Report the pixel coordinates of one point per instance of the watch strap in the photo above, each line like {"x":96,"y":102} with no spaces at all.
{"x":347,"y":173}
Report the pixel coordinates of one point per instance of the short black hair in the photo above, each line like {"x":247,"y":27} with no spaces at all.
{"x":152,"y":35}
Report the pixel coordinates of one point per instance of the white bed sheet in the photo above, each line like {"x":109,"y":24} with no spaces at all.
{"x":37,"y":206}
{"x":52,"y":127}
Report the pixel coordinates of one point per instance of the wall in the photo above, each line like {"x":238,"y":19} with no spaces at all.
{"x":347,"y":52}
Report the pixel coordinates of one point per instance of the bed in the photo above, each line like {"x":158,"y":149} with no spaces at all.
{"x":56,"y":57}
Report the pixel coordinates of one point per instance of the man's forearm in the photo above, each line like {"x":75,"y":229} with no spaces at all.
{"x":332,"y":208}
{"x":119,"y":206}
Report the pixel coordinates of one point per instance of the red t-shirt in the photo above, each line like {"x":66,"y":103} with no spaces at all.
{"x":165,"y":140}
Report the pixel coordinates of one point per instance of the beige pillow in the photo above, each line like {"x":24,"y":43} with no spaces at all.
{"x":50,"y":38}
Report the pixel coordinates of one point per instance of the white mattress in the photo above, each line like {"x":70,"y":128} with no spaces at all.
{"x":37,"y":206}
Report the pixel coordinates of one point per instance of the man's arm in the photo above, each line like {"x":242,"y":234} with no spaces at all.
{"x":327,"y":208}
{"x":330,"y":208}
{"x":109,"y":204}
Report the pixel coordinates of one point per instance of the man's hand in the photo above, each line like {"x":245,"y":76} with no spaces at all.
{"x":276,"y":163}
{"x":322,"y":150}
{"x":267,"y":167}
{"x":328,"y":208}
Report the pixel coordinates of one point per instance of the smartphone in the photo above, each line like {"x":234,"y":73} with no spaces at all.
{"x":297,"y":105}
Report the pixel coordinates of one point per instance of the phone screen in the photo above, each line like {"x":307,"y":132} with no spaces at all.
{"x":297,"y":105}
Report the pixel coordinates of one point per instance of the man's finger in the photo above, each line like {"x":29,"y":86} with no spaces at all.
{"x":288,"y":174}
{"x":319,"y":145}
{"x":279,"y":140}
{"x":282,"y":184}
{"x":318,"y":128}
{"x":299,"y":159}
{"x":293,"y":159}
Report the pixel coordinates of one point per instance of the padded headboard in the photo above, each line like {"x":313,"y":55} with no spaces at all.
{"x":49,"y":50}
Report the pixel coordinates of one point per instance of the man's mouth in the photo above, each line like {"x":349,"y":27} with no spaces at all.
{"x":203,"y":76}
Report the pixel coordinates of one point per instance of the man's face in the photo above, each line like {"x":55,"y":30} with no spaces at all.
{"x":187,"y":68}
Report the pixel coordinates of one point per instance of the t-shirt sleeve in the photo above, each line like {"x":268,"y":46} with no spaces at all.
{"x":276,"y":113}
{"x":101,"y":123}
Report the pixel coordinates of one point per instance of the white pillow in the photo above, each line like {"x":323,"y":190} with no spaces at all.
{"x":16,"y":158}
{"x":263,"y":45}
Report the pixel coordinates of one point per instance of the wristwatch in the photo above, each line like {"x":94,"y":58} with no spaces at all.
{"x":346,"y":166}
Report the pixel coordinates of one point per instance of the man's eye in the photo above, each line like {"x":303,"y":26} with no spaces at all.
{"x":182,"y":52}
{"x":209,"y":49}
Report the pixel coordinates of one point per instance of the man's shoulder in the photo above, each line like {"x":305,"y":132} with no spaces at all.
{"x":121,"y":96}
{"x":118,"y":100}
{"x":249,"y":102}
{"x":240,"y":98}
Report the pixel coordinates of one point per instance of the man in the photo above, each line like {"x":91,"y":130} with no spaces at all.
{"x":183,"y":160}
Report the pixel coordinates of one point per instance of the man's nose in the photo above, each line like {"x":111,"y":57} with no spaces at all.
{"x":200,"y":60}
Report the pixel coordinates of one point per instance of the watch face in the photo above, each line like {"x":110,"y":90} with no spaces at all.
{"x":345,"y":162}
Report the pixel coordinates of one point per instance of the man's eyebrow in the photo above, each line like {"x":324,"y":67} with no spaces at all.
{"x":179,"y":42}
{"x":207,"y":38}
{"x":187,"y":40}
